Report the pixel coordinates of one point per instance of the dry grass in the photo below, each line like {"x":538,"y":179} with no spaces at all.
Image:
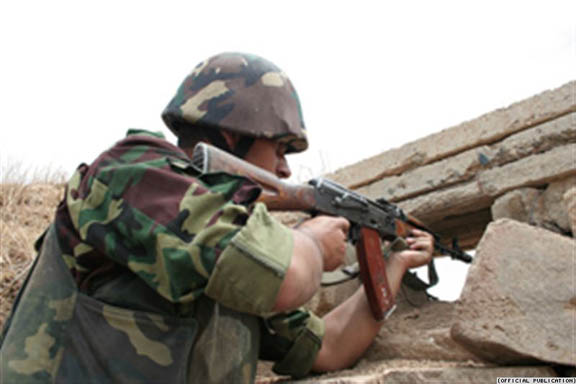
{"x":27,"y":206}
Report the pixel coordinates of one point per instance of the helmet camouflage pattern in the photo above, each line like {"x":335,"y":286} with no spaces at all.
{"x":240,"y":93}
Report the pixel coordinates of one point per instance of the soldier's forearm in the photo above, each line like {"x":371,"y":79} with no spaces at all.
{"x":352,"y":324}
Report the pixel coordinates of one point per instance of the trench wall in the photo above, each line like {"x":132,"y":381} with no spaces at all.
{"x":452,"y":179}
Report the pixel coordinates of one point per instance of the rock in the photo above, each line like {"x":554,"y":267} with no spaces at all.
{"x":519,"y":301}
{"x":486,"y":129}
{"x":546,"y":209}
{"x":416,"y":372}
{"x":465,"y":166}
{"x":517,"y":205}
{"x":441,"y":174}
{"x":443,"y":203}
{"x":570,"y":203}
{"x":534,"y":170}
{"x":419,"y":333}
{"x":555,"y":206}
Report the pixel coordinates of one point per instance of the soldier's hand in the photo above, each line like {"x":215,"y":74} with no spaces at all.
{"x":420,"y":249}
{"x":329,"y":233}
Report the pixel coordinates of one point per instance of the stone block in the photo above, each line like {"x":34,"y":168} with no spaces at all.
{"x":543,"y":208}
{"x":536,"y":170}
{"x":517,"y":205}
{"x":570,"y":202}
{"x":441,"y":174}
{"x":486,"y":129}
{"x":540,"y":138}
{"x":554,"y":205}
{"x":454,"y":201}
{"x":533,"y":171}
{"x":466,"y":165}
{"x":518,"y":304}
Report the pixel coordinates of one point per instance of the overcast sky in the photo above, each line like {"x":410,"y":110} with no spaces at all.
{"x":372,"y":75}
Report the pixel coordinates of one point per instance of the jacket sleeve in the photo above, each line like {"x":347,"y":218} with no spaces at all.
{"x":184,"y":235}
{"x":292,"y":340}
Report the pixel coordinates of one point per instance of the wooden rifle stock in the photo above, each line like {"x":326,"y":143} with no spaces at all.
{"x":276,"y":194}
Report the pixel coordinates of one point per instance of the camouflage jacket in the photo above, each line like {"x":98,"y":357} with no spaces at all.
{"x":152,"y":272}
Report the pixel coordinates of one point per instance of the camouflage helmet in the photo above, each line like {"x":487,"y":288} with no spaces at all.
{"x":239,"y":93}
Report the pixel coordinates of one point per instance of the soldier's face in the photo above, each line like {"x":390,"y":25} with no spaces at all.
{"x":269,"y":155}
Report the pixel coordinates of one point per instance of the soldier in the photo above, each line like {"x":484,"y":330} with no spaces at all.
{"x":153,"y":272}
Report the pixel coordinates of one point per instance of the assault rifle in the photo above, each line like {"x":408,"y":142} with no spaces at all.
{"x":371,"y":221}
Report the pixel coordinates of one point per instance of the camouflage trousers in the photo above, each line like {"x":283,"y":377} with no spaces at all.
{"x":58,"y":334}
